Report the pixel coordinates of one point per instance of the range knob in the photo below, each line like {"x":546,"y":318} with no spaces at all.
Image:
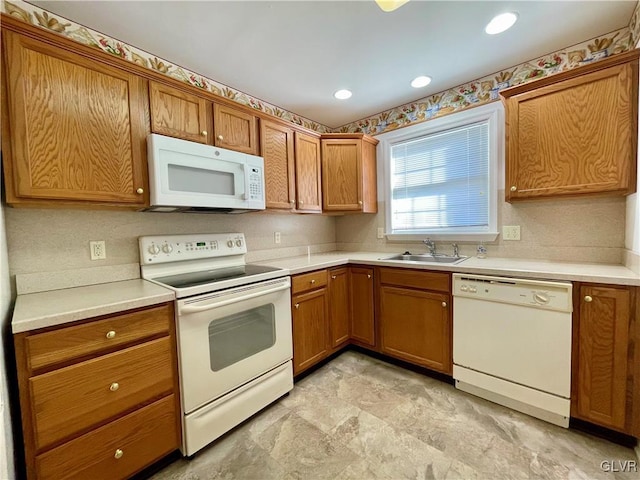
{"x":239,"y":242}
{"x":153,"y":249}
{"x":166,"y":248}
{"x":230,"y":243}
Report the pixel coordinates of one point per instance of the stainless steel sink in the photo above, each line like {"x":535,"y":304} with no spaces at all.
{"x":427,"y":258}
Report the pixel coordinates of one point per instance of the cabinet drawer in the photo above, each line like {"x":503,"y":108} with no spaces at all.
{"x":78,"y":341}
{"x":143,"y":437}
{"x":75,"y":398}
{"x":308,"y":281}
{"x":415,"y":279}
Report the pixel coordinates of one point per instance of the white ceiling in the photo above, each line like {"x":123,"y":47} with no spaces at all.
{"x":296,"y":54}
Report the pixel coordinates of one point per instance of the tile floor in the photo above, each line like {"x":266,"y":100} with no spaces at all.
{"x":360,"y":418}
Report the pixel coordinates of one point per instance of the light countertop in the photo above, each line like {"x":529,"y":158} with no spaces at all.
{"x":56,"y":307}
{"x":524,"y":268}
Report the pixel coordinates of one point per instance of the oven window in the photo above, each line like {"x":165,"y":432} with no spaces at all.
{"x":200,"y":180}
{"x":241,"y":335}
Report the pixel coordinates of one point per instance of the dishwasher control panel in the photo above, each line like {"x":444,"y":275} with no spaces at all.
{"x":530,"y":293}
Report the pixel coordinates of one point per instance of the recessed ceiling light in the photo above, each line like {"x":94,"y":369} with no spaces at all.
{"x":420,"y":82}
{"x":343,"y":94}
{"x":500,"y":23}
{"x":390,"y":5}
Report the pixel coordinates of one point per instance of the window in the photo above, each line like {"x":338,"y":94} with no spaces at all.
{"x":441,"y":176}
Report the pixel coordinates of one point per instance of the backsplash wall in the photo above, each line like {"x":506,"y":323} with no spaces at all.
{"x":57,"y":240}
{"x":589,"y":230}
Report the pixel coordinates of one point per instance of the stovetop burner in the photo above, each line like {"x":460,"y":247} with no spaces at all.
{"x":193,"y":279}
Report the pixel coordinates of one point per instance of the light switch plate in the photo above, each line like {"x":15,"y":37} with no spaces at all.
{"x":511,"y":232}
{"x":276,"y":237}
{"x":380,"y":232}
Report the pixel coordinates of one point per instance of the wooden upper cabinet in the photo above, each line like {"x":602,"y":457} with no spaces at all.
{"x":276,"y":143}
{"x":349,"y":173}
{"x":74,"y":130}
{"x":603,"y":376}
{"x":235,"y":129}
{"x":178,"y":114}
{"x":574,"y":133}
{"x":308,"y":180}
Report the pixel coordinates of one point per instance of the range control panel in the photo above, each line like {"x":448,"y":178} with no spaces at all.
{"x":175,"y":248}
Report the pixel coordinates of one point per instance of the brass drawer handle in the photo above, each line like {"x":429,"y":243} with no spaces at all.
{"x":514,"y":188}
{"x":118,"y":454}
{"x":588,"y":299}
{"x":111,"y":334}
{"x":114,"y":386}
{"x":313,"y":281}
{"x":140,"y":191}
{"x":204,"y":133}
{"x":220,"y":137}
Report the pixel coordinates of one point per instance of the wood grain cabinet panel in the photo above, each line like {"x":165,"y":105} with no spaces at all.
{"x":96,"y":390}
{"x":310,"y":329}
{"x":175,"y":113}
{"x":574,"y":133}
{"x":416,"y":326}
{"x":117,"y":450}
{"x":77,"y":128}
{"x":362,"y":306}
{"x":235,"y":129}
{"x":308,"y":178}
{"x":339,"y":296}
{"x":603,"y":377}
{"x":276,"y":143}
{"x":349,"y":173}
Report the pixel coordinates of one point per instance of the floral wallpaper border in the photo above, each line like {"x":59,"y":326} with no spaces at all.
{"x":471,"y":94}
{"x":60,"y":25}
{"x":486,"y":89}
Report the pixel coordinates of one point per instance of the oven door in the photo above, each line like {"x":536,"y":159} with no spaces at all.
{"x":227,"y":338}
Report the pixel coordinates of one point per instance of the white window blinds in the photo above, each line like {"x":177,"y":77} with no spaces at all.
{"x":440,"y":182}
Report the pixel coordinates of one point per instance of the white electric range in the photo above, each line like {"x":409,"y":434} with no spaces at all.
{"x":233,"y":326}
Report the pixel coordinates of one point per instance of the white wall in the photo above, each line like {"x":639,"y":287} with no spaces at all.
{"x":7,"y":467}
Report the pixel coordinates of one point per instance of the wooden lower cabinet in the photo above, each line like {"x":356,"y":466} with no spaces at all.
{"x":362,"y":306}
{"x":99,"y":398}
{"x":310,"y":328}
{"x":606,"y":357}
{"x":339,"y":295}
{"x":416,"y":326}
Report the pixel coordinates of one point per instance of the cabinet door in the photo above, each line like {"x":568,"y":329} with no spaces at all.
{"x":415,"y":326}
{"x":574,"y":137}
{"x":310,"y":329}
{"x":339,"y":305}
{"x":235,"y":130}
{"x":342,"y":175}
{"x":178,"y":114}
{"x":276,"y":143}
{"x":603,"y":369}
{"x":77,"y":128}
{"x":362,"y":317}
{"x":308,"y":180}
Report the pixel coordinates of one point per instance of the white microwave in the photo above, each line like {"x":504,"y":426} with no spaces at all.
{"x":191,"y":177}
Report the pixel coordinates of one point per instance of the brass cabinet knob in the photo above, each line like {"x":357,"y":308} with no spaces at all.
{"x":444,"y":304}
{"x":588,"y":299}
{"x":301,"y":202}
{"x":333,"y":277}
{"x":220,"y":137}
{"x":111,"y":334}
{"x":313,"y":282}
{"x":204,"y":133}
{"x":368,"y":275}
{"x":114,"y":386}
{"x":514,"y":188}
{"x":359,"y":202}
{"x":140,"y":191}
{"x":297,"y":305}
{"x":118,"y":454}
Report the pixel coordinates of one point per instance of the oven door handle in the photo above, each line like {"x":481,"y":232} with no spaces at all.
{"x":185,"y":309}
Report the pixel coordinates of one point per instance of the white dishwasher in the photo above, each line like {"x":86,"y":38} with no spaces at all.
{"x":512,"y":343}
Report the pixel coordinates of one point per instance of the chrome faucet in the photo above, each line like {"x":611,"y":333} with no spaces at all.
{"x":431,"y":245}
{"x":456,"y":251}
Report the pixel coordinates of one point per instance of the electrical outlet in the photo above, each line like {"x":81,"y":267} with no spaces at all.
{"x":511,"y":232}
{"x":98,"y":250}
{"x":276,"y":237}
{"x":380,"y":232}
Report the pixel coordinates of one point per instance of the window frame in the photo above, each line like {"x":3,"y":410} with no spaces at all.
{"x":494,"y":114}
